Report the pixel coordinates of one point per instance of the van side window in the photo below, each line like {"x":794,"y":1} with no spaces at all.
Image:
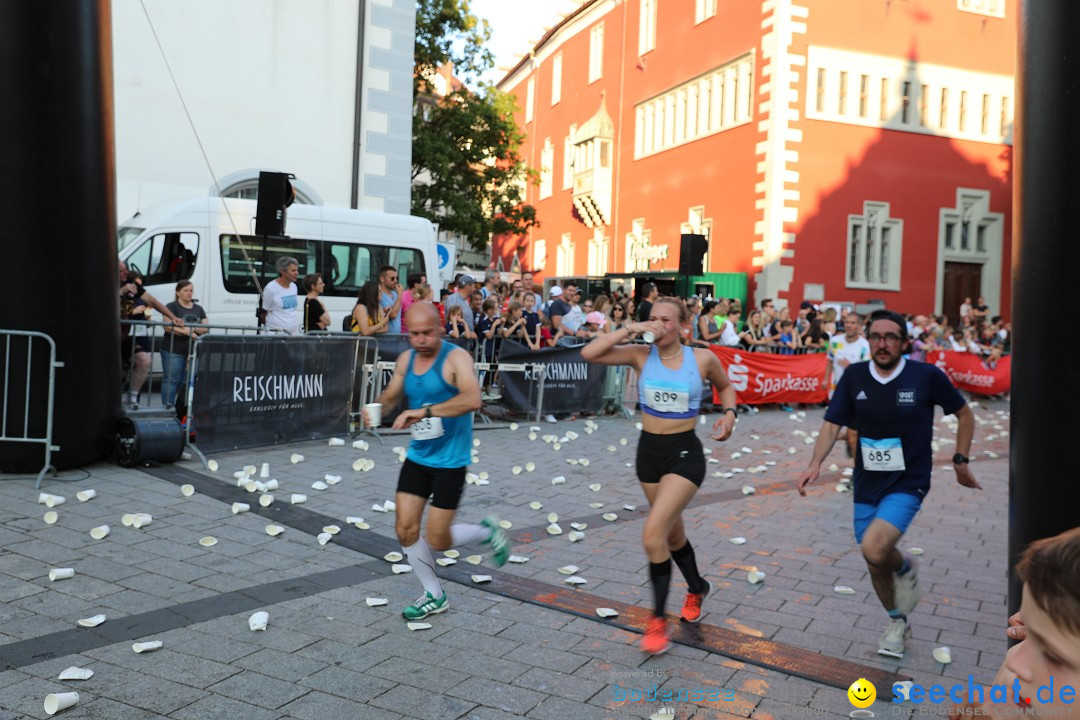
{"x":166,"y":258}
{"x":344,"y":266}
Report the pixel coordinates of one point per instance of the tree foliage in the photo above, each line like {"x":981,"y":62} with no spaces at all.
{"x":468,"y":175}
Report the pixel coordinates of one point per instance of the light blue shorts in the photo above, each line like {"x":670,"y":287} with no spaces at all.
{"x":897,"y":509}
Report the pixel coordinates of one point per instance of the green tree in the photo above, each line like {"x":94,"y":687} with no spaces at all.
{"x":468,"y":175}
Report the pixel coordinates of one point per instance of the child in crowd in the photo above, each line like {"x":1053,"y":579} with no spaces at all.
{"x":787,"y":342}
{"x":455,"y":324}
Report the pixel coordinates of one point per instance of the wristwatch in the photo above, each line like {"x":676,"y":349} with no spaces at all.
{"x":959,"y":459}
{"x":733,"y":411}
{"x":427,"y":414}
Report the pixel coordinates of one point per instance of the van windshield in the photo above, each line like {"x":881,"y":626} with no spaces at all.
{"x":343,"y":265}
{"x":126,"y":234}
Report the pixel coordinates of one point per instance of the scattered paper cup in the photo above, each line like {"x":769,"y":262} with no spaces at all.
{"x":579,"y":526}
{"x":51,"y":517}
{"x":843,"y":590}
{"x":100,"y":532}
{"x":251,"y":469}
{"x":393,"y":557}
{"x":398,"y":569}
{"x":606,"y":612}
{"x":141,"y":520}
{"x":360,"y":444}
{"x":148,"y":646}
{"x":903,"y":688}
{"x":258,"y":620}
{"x":212,"y":465}
{"x":54,"y":500}
{"x":187,"y":490}
{"x":85,"y":495}
{"x":252,"y":485}
{"x":536,"y":505}
{"x":56,"y":702}
{"x":208,"y":541}
{"x":375,"y":602}
{"x":274,"y":530}
{"x":325,"y":538}
{"x":478,"y":579}
{"x":61,"y":574}
{"x":517,"y":559}
{"x":373,"y":414}
{"x":451,"y":553}
{"x":474,"y":559}
{"x":943,"y":655}
{"x":445,"y":561}
{"x":558,"y":480}
{"x":418,"y":626}
{"x":569,"y":569}
{"x":332,"y":529}
{"x":576,"y":535}
{"x":298,"y":499}
{"x":296,"y":458}
{"x":76,"y":673}
{"x":264,"y":472}
{"x":610,"y":517}
{"x":91,"y":621}
{"x":319,"y":485}
{"x":755,"y":576}
{"x":239,"y":507}
{"x":748,"y":490}
{"x":266,"y":500}
{"x":270,"y":485}
{"x":737,"y":541}
{"x":554,"y":529}
{"x":332,"y":479}
{"x":575,"y":580}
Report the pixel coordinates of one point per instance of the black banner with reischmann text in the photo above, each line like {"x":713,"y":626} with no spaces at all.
{"x":258,"y":390}
{"x":571,"y":384}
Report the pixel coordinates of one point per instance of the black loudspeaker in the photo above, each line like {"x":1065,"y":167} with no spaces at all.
{"x":141,"y":440}
{"x":275,"y":194}
{"x":691,"y":253}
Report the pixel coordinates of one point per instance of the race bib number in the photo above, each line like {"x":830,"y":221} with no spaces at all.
{"x":885,"y":454}
{"x":427,"y":428}
{"x":667,"y":397}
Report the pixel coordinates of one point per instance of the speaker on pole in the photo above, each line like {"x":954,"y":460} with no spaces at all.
{"x":691,"y":253}
{"x":275,"y":194}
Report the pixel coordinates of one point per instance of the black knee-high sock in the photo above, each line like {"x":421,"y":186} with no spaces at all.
{"x":686,"y":560}
{"x":660,"y":575}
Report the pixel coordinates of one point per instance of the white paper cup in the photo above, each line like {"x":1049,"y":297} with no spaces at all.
{"x":258,"y":620}
{"x":265,"y":472}
{"x":61,"y":574}
{"x":325,"y":538}
{"x":250,"y":469}
{"x":266,"y":500}
{"x":85,"y":495}
{"x":298,"y":499}
{"x":51,"y":517}
{"x":296,"y":458}
{"x":335,"y":442}
{"x":54,"y":500}
{"x":187,"y":490}
{"x":373,"y":414}
{"x":141,"y":520}
{"x":271,"y":485}
{"x":252,"y":485}
{"x":100,"y":532}
{"x":55,"y":702}
{"x":148,"y":646}
{"x":212,"y":465}
{"x":239,"y":507}
{"x":127,"y":519}
{"x":649,"y":336}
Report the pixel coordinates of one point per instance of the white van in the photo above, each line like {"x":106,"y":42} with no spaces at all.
{"x":197,"y":240}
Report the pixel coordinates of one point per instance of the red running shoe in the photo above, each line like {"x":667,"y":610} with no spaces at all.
{"x":655,"y":640}
{"x":691,"y":609}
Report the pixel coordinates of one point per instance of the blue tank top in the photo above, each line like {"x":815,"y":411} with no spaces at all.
{"x":671,"y":394}
{"x":453,"y":448}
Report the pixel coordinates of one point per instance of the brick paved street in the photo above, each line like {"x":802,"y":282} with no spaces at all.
{"x":327,"y":654}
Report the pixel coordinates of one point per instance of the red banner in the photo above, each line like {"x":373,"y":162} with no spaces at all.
{"x":761,"y":378}
{"x":970,"y":372}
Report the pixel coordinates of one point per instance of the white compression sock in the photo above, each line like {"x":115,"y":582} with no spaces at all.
{"x":467,"y":534}
{"x":423,"y":565}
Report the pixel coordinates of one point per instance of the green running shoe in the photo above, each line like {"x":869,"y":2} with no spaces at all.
{"x":426,"y":605}
{"x":500,"y":544}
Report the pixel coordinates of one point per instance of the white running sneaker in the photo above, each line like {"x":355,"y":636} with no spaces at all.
{"x":550,"y":418}
{"x":892,"y":641}
{"x":906,"y":592}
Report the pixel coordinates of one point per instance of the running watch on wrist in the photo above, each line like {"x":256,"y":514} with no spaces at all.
{"x":427,"y":411}
{"x":959,"y":459}
{"x":733,"y":411}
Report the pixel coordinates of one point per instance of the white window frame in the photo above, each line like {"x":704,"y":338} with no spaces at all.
{"x":972,"y":207}
{"x":596,"y":53}
{"x":599,"y":247}
{"x":547,"y":163}
{"x":564,"y":257}
{"x":647,"y":27}
{"x":556,"y":79}
{"x":703,"y":10}
{"x":530,"y":99}
{"x":539,"y":259}
{"x":991,"y":8}
{"x":568,"y":159}
{"x":866,"y":232}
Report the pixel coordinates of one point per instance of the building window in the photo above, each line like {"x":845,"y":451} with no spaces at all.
{"x":564,"y":257}
{"x":556,"y":79}
{"x":547,"y":160}
{"x":984,"y":122}
{"x":864,"y":94}
{"x":820,"y":90}
{"x":993,"y":8}
{"x":598,"y":253}
{"x":884,"y":110}
{"x":568,"y":159}
{"x":842,"y":100}
{"x":701,"y":107}
{"x":647,"y":27}
{"x":530,"y":99}
{"x":703,"y":10}
{"x":905,"y":108}
{"x":539,"y":259}
{"x":596,"y":53}
{"x":874,"y":248}
{"x":1004,"y":120}
{"x":943,"y":117}
{"x":963,"y":110}
{"x":924,"y":94}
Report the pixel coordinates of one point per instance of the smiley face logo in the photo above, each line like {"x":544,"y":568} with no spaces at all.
{"x":862,"y":693}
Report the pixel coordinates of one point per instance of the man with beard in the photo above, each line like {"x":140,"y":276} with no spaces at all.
{"x":439,"y":385}
{"x":890,"y":403}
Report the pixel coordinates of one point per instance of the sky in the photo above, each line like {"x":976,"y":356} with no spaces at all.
{"x":516,"y":25}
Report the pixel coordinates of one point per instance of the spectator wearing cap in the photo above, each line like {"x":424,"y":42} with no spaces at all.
{"x":461,"y":298}
{"x":556,"y":308}
{"x":595,"y":324}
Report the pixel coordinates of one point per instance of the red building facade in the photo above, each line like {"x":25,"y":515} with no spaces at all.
{"x":839,"y":151}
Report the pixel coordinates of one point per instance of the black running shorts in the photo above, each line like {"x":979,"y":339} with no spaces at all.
{"x":442,"y":485}
{"x":678,"y":454}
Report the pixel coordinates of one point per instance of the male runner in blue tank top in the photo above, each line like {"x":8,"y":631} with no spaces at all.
{"x":890,"y":402}
{"x":441,"y":393}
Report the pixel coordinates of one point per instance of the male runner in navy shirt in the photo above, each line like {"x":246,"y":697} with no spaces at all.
{"x":890,"y":402}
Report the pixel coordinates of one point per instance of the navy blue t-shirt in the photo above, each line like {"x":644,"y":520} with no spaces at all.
{"x":901,"y":408}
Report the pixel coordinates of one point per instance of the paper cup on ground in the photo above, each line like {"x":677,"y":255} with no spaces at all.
{"x":141,"y":520}
{"x":85,"y":495}
{"x":335,"y":442}
{"x":265,"y":500}
{"x":100,"y":532}
{"x":61,"y":574}
{"x":90,"y":621}
{"x":239,"y":507}
{"x":296,"y":458}
{"x":51,"y":517}
{"x":187,"y":490}
{"x":264,"y":472}
{"x":271,"y":485}
{"x":148,"y":646}
{"x":325,"y":538}
{"x":212,"y":465}
{"x":76,"y":673}
{"x":373,"y":414}
{"x":54,"y":500}
{"x":298,"y":499}
{"x":274,"y":530}
{"x":56,"y":702}
{"x":258,"y":621}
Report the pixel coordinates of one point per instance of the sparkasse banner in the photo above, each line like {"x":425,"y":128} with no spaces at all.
{"x":763,"y":378}
{"x":257,"y":390}
{"x":972,"y":374}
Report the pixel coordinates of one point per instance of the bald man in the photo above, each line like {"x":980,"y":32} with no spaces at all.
{"x":441,"y":394}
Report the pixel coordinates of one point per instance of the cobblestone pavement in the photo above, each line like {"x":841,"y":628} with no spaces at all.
{"x":327,"y":654}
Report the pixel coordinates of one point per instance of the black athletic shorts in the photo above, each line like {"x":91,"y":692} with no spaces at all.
{"x":442,"y":485}
{"x":678,"y":454}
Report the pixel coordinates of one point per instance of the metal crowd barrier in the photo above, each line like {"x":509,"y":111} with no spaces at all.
{"x":27,"y":436}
